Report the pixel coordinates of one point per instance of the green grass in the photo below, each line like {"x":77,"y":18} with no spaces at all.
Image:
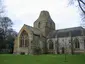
{"x":41,"y":59}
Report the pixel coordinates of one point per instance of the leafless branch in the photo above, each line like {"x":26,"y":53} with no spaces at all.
{"x":81,"y":6}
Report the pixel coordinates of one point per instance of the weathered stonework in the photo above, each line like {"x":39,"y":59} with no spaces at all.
{"x":43,"y":38}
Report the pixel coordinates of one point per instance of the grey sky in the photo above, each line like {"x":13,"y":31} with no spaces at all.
{"x":27,"y":11}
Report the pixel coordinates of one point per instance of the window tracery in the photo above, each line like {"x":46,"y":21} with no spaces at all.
{"x":24,"y":40}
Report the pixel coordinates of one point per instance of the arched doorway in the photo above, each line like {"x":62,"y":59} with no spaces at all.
{"x":24,"y":39}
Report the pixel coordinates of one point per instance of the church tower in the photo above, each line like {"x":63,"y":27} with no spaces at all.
{"x":44,"y":23}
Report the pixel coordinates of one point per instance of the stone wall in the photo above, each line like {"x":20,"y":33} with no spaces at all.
{"x":64,"y":42}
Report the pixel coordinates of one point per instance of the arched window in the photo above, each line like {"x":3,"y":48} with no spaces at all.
{"x":76,"y":41}
{"x":50,"y":44}
{"x":24,"y":40}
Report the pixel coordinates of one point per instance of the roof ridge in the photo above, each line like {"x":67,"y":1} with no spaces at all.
{"x":70,"y":28}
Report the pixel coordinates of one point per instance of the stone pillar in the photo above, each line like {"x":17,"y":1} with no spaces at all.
{"x":18,"y":43}
{"x":47,"y":45}
{"x":55,"y":49}
{"x":82,"y":33}
{"x":72,"y":44}
{"x":30,"y":47}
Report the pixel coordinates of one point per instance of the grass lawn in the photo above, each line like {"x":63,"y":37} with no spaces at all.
{"x":41,"y":59}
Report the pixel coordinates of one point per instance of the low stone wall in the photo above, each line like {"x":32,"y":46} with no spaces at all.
{"x":3,"y":51}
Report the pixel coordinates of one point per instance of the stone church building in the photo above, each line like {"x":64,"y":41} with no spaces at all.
{"x":43,"y":38}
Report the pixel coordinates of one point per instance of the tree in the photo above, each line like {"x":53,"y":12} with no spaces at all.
{"x":1,"y":38}
{"x":5,"y":24}
{"x":7,"y":34}
{"x":1,"y":34}
{"x":81,"y":5}
{"x":10,"y":39}
{"x":1,"y":7}
{"x":1,"y":30}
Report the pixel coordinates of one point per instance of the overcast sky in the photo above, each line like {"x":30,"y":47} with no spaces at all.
{"x":27,"y":11}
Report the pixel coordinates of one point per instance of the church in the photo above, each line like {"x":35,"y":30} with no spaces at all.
{"x":43,"y":38}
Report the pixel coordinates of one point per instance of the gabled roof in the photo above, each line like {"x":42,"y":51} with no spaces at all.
{"x":70,"y":29}
{"x":75,"y":31}
{"x":34,"y":30}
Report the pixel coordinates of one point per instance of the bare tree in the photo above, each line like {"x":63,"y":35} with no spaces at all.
{"x":81,"y":4}
{"x":81,"y":8}
{"x":1,"y":7}
{"x":5,"y":24}
{"x":7,"y":34}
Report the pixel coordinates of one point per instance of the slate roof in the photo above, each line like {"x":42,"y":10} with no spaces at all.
{"x":70,"y":29}
{"x":75,"y":31}
{"x":34,"y":30}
